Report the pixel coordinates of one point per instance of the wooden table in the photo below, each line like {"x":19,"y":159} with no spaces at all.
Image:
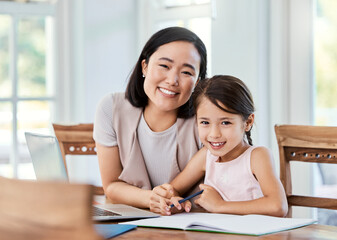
{"x":309,"y":232}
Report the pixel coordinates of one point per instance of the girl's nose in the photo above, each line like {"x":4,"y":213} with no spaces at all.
{"x":215,"y":132}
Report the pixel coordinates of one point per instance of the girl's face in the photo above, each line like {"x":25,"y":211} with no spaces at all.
{"x":222,"y":132}
{"x":170,"y":75}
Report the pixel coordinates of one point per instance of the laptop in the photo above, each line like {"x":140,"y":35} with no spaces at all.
{"x":48,"y":165}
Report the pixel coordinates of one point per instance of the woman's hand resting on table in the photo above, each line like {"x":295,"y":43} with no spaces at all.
{"x":160,"y":197}
{"x":163,"y":196}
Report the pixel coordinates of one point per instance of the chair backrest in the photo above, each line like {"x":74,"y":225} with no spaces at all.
{"x":45,"y":210}
{"x":76,"y":140}
{"x":312,"y":144}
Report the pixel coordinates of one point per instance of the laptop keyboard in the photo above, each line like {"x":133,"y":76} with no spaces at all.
{"x":101,"y":212}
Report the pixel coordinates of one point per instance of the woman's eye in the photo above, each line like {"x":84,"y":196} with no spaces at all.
{"x":163,"y":65}
{"x":204,"y":122}
{"x":187,"y":73}
{"x":225,"y":123}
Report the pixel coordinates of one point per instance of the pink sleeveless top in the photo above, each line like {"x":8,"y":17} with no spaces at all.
{"x":233,"y":180}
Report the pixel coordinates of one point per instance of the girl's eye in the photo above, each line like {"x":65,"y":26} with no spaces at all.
{"x":225,"y":123}
{"x":204,"y":122}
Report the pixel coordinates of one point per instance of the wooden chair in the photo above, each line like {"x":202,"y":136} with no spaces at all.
{"x":45,"y":210}
{"x":312,"y":144}
{"x":76,"y":140}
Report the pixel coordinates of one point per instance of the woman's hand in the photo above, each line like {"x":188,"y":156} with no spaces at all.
{"x":210,"y":199}
{"x":160,"y":198}
{"x":178,"y":207}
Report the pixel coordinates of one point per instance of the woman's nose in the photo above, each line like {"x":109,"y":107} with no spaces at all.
{"x":173,"y":79}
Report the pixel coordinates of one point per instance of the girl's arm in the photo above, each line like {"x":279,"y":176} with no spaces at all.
{"x":192,"y":173}
{"x":273,"y":202}
{"x":116,"y":190}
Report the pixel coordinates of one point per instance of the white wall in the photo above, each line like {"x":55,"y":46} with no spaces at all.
{"x":291,"y":78}
{"x":100,"y":42}
{"x":99,"y":50}
{"x":110,"y":48}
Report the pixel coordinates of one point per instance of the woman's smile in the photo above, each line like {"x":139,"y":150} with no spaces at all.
{"x":167,"y":92}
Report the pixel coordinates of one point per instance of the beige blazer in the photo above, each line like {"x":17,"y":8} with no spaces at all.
{"x":125,"y":122}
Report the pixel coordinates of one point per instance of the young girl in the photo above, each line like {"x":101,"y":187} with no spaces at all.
{"x":239,"y":177}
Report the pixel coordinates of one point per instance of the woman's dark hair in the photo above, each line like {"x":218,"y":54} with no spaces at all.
{"x":135,"y":89}
{"x":231,"y":92}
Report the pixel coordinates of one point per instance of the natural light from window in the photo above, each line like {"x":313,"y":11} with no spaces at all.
{"x":325,"y":52}
{"x":27,"y":92}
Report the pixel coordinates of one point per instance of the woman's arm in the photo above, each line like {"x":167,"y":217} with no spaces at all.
{"x":273,"y":202}
{"x":116,"y":190}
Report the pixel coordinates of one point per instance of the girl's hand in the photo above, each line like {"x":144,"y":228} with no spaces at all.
{"x":160,"y":198}
{"x":210,"y":199}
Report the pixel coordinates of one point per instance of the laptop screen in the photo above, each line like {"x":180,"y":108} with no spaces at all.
{"x":46,"y":157}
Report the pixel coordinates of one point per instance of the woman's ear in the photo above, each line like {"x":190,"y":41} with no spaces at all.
{"x":144,"y":67}
{"x":249,"y":122}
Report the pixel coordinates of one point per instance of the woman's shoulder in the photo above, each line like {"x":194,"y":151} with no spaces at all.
{"x":106,"y":100}
{"x":104,"y":105}
{"x":107,"y":103}
{"x":187,"y":126}
{"x":187,"y":121}
{"x":112,"y":99}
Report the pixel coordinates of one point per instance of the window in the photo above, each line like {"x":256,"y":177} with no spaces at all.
{"x":27,"y":92}
{"x":325,"y":51}
{"x":325,"y":68}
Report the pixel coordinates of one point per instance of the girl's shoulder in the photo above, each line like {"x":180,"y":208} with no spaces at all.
{"x":201,"y":154}
{"x":261,"y":153}
{"x":260,"y":150}
{"x":200,"y":157}
{"x":261,"y":157}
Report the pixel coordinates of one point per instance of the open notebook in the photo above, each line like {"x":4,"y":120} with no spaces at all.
{"x":224,"y":223}
{"x":48,"y":165}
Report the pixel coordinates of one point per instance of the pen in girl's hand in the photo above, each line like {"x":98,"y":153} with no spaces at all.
{"x":188,"y":198}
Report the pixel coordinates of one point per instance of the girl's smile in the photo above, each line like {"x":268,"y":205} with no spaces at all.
{"x":217,"y":145}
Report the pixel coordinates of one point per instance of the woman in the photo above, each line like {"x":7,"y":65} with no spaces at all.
{"x":146,"y":136}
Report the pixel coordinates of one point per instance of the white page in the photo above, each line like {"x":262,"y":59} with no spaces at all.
{"x":179,"y":221}
{"x":248,"y":224}
{"x":253,"y":224}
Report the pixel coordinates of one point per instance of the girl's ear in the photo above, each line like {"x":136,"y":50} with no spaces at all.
{"x":249,"y":122}
{"x":144,"y":67}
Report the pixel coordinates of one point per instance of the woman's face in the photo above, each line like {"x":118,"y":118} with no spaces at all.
{"x":170,"y":75}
